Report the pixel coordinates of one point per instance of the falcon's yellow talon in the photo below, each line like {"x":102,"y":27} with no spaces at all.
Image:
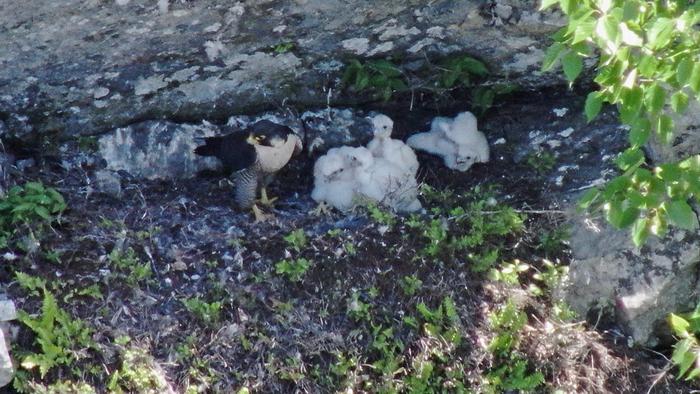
{"x":264,"y":200}
{"x":260,"y":216}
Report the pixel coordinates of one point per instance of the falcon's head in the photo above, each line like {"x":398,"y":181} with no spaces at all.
{"x":267,"y":133}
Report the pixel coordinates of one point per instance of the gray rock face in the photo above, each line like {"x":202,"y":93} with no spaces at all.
{"x":686,"y":139}
{"x":7,"y":313}
{"x":84,"y":66}
{"x":642,"y":285}
{"x":161,"y":149}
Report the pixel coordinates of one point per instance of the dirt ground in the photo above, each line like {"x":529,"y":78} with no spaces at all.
{"x":349,"y":322}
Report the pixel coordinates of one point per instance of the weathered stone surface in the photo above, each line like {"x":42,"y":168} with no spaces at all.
{"x":7,"y":312}
{"x":7,"y":371}
{"x":161,"y":149}
{"x":643,"y":284}
{"x":686,"y":139}
{"x":81,"y":67}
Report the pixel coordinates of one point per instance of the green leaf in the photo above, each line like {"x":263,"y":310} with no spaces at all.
{"x":385,"y":67}
{"x":647,"y":66}
{"x":474,"y":66}
{"x":572,"y":64}
{"x":548,"y":3}
{"x":630,"y":10}
{"x":684,"y":70}
{"x":664,"y":127}
{"x":608,"y":31}
{"x":630,"y":158}
{"x":619,"y":216}
{"x":594,"y":102}
{"x":588,"y":198}
{"x":694,"y":79}
{"x":629,"y":37}
{"x":640,"y":231}
{"x":684,"y":355}
{"x":679,"y":102}
{"x":449,"y":78}
{"x":682,"y":215}
{"x":654,"y":98}
{"x":568,"y":6}
{"x":678,"y":324}
{"x":551,"y":56}
{"x":659,"y":35}
{"x":584,"y":30}
{"x":640,"y":132}
{"x":631,"y":104}
{"x":362,"y":80}
{"x":42,"y":212}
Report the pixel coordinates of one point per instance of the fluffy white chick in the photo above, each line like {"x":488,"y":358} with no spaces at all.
{"x":456,"y":140}
{"x":390,"y":185}
{"x":336,"y":176}
{"x":463,"y":131}
{"x":393,"y":150}
{"x":333,"y":183}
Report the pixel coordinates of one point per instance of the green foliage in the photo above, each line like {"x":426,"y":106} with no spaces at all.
{"x":30,"y":204}
{"x":207,"y":312}
{"x":648,"y":66}
{"x":130,"y":267}
{"x":381,"y":77}
{"x":686,"y":350}
{"x":61,"y":337}
{"x":461,"y":70}
{"x":283,"y":47}
{"x":410,"y":285}
{"x":61,"y":387}
{"x":541,"y":161}
{"x":476,"y":228}
{"x":293,"y":270}
{"x":380,"y":215}
{"x":296,"y":239}
{"x":137,"y":373}
{"x":512,"y":372}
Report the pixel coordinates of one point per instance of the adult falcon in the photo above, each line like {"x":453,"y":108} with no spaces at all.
{"x":253,"y":155}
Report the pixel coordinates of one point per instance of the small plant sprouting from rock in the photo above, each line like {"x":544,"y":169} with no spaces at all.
{"x":296,"y":239}
{"x":410,"y":285}
{"x":541,"y":161}
{"x":293,"y":270}
{"x":130,"y":266}
{"x":381,"y":77}
{"x":208,"y":313}
{"x":30,"y":204}
{"x":138,"y":372}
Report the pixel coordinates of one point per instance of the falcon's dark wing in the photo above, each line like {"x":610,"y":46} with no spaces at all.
{"x":234,"y":152}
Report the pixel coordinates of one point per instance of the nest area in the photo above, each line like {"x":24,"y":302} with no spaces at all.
{"x":275,"y":334}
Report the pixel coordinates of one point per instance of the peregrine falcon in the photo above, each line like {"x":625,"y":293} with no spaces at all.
{"x":253,"y":155}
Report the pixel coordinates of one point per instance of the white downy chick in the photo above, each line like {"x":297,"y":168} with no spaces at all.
{"x":456,"y":140}
{"x":470,"y":140}
{"x":390,"y":185}
{"x":393,"y":150}
{"x":338,"y":174}
{"x":333,"y":182}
